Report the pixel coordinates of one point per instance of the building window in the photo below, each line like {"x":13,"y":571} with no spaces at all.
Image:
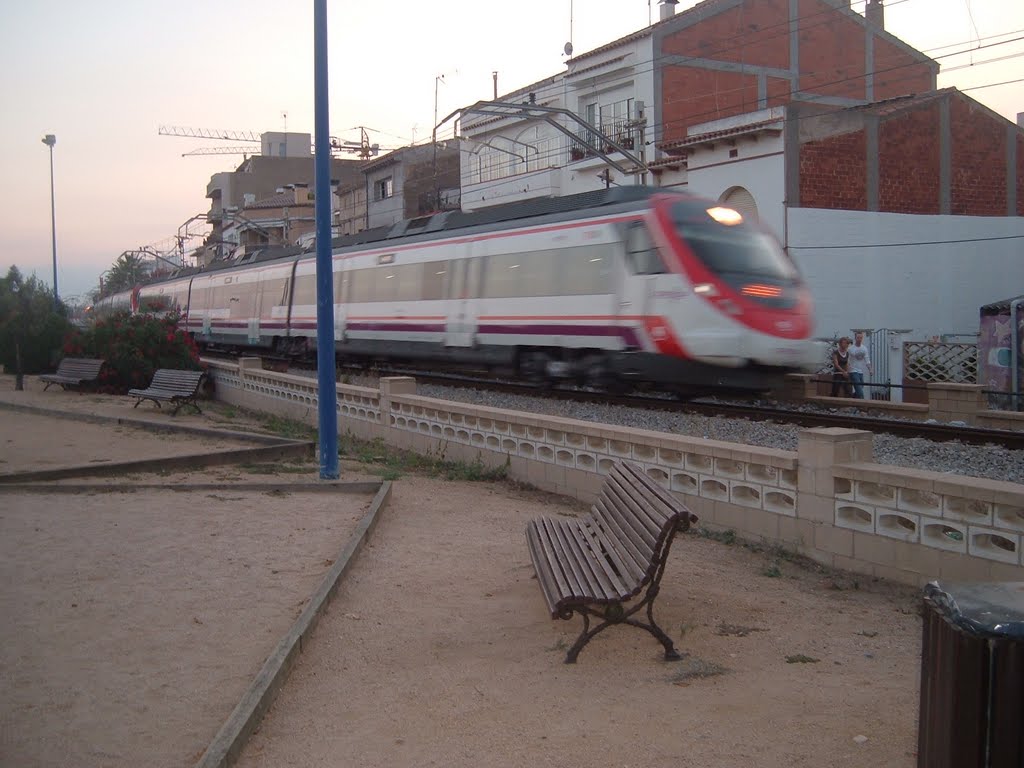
{"x":384,"y":189}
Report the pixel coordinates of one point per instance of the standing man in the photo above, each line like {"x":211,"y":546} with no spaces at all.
{"x":860,"y":364}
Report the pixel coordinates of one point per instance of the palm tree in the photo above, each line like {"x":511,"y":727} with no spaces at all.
{"x":125,"y":273}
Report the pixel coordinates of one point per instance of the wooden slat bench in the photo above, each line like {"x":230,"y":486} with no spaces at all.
{"x":170,"y":385}
{"x":73,"y":372}
{"x":593,"y":565}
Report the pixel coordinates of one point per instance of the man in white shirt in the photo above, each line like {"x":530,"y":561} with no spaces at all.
{"x":860,"y":364}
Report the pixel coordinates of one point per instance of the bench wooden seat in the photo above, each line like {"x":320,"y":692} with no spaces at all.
{"x":73,"y":372}
{"x":594,"y":564}
{"x":170,"y":385}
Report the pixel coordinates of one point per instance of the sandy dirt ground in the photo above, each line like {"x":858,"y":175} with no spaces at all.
{"x":130,"y":630}
{"x":438,"y":651}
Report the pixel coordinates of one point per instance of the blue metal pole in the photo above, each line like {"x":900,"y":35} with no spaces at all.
{"x":325,"y":363}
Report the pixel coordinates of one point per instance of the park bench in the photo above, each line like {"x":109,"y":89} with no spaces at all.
{"x":73,"y":372}
{"x":173,"y":386}
{"x":593,"y":565}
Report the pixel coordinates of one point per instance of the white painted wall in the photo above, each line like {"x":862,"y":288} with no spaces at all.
{"x":762,"y":176}
{"x":933,"y":289}
{"x":608,"y":78}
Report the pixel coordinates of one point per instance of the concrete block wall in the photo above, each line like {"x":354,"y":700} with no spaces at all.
{"x":946,"y":402}
{"x":827,"y":500}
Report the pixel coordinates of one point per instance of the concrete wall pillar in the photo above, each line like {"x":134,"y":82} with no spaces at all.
{"x":800,"y":386}
{"x":391,"y":386}
{"x":249,"y":364}
{"x":956,"y":402}
{"x":814,"y":532}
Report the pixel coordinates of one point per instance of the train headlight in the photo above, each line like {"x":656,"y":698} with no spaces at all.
{"x":705,"y":289}
{"x":728,"y":216}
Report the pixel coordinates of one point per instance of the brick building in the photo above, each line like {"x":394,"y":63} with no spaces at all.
{"x":729,"y":57}
{"x":902,"y":204}
{"x":934,"y":153}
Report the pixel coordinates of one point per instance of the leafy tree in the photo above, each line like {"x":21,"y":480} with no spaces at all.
{"x":31,"y":327}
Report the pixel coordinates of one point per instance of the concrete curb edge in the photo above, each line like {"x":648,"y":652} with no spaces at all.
{"x":227,"y":745}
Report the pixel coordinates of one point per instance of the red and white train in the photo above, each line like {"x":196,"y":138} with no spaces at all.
{"x":631,"y":285}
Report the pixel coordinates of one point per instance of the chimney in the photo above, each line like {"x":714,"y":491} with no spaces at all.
{"x":874,"y":12}
{"x":301,"y":193}
{"x":495,"y":76}
{"x":667,"y":9}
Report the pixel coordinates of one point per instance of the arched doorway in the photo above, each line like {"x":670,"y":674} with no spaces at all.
{"x":739,"y":199}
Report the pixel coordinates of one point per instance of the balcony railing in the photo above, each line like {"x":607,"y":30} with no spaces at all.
{"x":620,"y":130}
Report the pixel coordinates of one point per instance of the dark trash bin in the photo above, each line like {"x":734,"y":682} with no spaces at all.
{"x":972,"y":676}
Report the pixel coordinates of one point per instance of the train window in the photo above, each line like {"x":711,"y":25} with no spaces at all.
{"x":200,"y":298}
{"x":434,"y":273}
{"x":305,"y":290}
{"x":522,"y":274}
{"x":385,"y":284}
{"x":272,"y":290}
{"x":502,"y":278}
{"x":735,"y":248}
{"x":641,"y":252}
{"x":540,"y":271}
{"x":361,"y":288}
{"x":585,"y":270}
{"x":410,"y":282}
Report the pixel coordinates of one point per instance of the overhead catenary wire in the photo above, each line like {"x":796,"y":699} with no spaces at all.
{"x":802,"y":26}
{"x":559,"y":152}
{"x":901,"y":245}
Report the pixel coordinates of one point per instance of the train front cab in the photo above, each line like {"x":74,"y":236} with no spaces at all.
{"x":732,"y":299}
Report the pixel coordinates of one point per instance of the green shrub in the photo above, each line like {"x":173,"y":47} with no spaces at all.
{"x":31,"y":324}
{"x":134,"y":346}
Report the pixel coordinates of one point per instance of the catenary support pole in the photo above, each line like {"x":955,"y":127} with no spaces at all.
{"x":328,"y":394}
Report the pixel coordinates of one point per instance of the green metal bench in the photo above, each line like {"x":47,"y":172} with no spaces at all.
{"x":73,"y":372}
{"x":172,"y":386}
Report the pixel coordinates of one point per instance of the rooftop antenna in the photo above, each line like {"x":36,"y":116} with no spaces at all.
{"x":568,"y":45}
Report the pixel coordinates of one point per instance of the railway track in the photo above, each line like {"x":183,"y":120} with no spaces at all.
{"x":936,"y":432}
{"x":755,"y":412}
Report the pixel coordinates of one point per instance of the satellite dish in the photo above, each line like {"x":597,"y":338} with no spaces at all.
{"x":568,"y":49}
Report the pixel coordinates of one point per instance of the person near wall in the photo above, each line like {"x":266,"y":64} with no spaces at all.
{"x":841,"y":369}
{"x":860,"y":364}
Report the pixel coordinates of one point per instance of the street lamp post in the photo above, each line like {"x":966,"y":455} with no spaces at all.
{"x":49,"y":140}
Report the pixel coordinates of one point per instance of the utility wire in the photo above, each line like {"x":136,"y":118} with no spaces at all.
{"x":557,"y":153}
{"x":901,"y":245}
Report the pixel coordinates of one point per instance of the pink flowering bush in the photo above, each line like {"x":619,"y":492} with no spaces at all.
{"x":134,"y":346}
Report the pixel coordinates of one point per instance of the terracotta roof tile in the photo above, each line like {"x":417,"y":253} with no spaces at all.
{"x":740,"y":130}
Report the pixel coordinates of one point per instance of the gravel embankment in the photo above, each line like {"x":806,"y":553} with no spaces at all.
{"x":955,"y":458}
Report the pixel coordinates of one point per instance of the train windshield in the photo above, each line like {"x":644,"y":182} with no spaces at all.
{"x":729,"y":246}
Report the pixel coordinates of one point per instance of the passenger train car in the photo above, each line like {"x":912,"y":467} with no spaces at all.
{"x":631,"y":285}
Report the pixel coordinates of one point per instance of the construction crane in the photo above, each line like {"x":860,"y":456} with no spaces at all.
{"x":206,"y":133}
{"x":222,"y":151}
{"x":363,"y":147}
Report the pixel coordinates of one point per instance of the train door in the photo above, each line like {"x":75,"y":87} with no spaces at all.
{"x":642,"y":266}
{"x":255,"y":306}
{"x":342,"y":278}
{"x":463,"y":281}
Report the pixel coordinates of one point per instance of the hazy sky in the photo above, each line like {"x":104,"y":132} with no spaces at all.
{"x":103,"y":76}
